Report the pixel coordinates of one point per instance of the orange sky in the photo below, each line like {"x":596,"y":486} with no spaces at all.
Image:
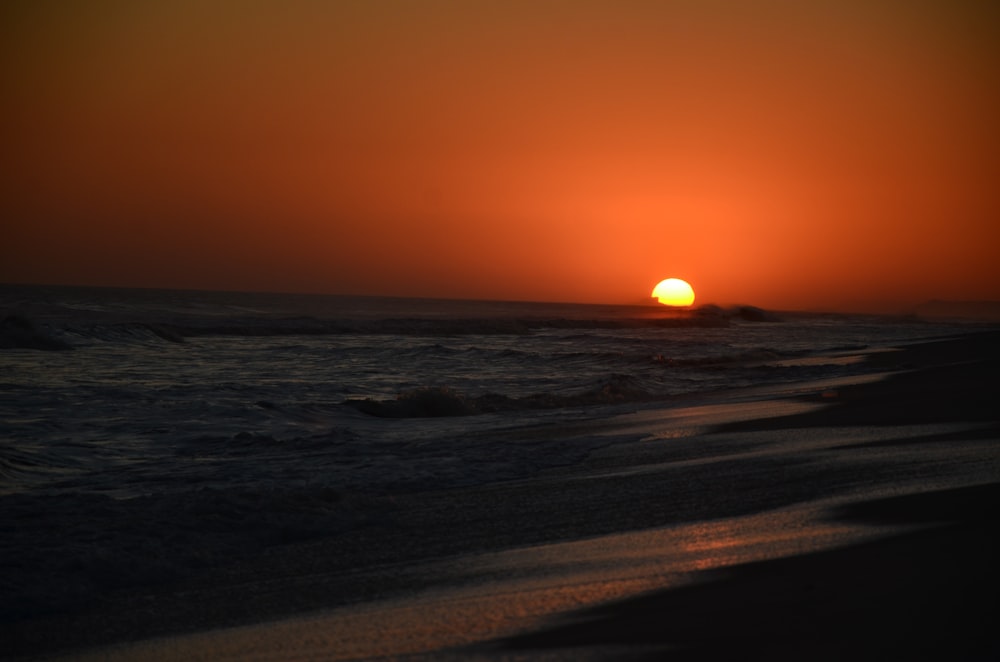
{"x":788,"y":154}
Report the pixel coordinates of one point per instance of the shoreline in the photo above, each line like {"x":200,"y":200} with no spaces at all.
{"x":930,"y":430}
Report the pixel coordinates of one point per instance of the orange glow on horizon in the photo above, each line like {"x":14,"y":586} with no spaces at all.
{"x":840,"y":155}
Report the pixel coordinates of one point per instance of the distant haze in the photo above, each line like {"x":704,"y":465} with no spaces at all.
{"x":838,"y":155}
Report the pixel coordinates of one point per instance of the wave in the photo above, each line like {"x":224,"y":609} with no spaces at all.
{"x":744,"y":313}
{"x":17,"y":332}
{"x":129,"y":331}
{"x":441,"y":401}
{"x":432,"y":326}
{"x":20,"y":465}
{"x":724,"y":360}
{"x":58,"y":318}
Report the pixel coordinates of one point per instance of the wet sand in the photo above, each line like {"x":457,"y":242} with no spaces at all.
{"x":834,"y":520}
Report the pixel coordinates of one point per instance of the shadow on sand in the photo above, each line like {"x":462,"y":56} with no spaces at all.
{"x":928,"y":594}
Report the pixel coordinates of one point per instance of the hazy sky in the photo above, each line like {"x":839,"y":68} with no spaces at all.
{"x":788,"y":154}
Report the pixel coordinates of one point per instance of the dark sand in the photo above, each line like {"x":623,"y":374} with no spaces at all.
{"x":757,"y":527}
{"x":924,"y":595}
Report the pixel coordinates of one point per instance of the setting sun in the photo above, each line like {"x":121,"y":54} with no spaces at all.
{"x":674,"y":292}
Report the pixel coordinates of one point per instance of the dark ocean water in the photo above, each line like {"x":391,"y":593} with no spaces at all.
{"x":144,"y":434}
{"x":161,"y":391}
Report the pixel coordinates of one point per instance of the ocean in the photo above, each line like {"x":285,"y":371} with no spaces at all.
{"x":149,"y":434}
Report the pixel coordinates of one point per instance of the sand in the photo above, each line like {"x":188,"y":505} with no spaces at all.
{"x":850,"y":519}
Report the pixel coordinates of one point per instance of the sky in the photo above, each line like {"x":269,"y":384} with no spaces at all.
{"x":820,"y":155}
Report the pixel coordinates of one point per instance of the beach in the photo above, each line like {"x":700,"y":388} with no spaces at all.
{"x":849,"y":517}
{"x":500,"y":331}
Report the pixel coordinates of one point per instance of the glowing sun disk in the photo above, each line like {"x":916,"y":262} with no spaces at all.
{"x":674,"y":292}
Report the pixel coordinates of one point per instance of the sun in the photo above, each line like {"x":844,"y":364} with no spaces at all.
{"x":674,"y":292}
